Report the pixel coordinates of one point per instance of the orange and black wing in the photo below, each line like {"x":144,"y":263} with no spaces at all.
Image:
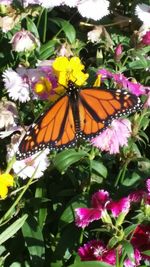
{"x":54,"y":129}
{"x":98,"y":107}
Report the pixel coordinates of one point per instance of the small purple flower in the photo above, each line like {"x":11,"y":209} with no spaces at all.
{"x":146,"y":38}
{"x":114,"y":136}
{"x":117,"y":207}
{"x":95,"y":250}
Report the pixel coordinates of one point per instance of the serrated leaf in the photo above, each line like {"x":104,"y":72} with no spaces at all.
{"x":11,"y":230}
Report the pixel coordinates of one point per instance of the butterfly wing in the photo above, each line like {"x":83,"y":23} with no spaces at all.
{"x":98,"y":107}
{"x":54,"y":129}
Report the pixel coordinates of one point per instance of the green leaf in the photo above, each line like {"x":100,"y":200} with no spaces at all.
{"x":66,"y":158}
{"x":32,"y":27}
{"x":99,"y":168}
{"x":91,"y":264}
{"x":128,"y":230}
{"x":11,"y":230}
{"x":128,"y":249}
{"x":67,"y":28}
{"x":47,"y":49}
{"x":68,"y":214}
{"x":34,"y":240}
{"x":139,"y":64}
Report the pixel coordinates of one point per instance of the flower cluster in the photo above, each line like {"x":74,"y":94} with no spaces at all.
{"x":108,"y":210}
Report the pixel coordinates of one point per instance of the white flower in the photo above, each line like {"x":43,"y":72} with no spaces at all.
{"x":93,"y":9}
{"x":34,"y":165}
{"x":71,"y":3}
{"x":95,"y":35}
{"x":143,"y":13}
{"x":23,"y":41}
{"x":16,"y":87}
{"x":50,"y":3}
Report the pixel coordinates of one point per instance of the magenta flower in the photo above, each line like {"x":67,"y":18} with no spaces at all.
{"x":141,"y":239}
{"x":114,"y":137}
{"x":137,"y":196}
{"x":148,"y":185}
{"x":117,"y":207}
{"x":146,"y":38}
{"x":84,"y":216}
{"x":136,"y":262}
{"x":95,"y":250}
{"x":134,"y":87}
{"x":118,"y":52}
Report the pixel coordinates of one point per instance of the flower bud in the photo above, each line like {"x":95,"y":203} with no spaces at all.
{"x":24,"y":41}
{"x":118,"y":52}
{"x":146,"y":38}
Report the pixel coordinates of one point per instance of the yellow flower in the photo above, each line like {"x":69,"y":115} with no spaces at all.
{"x":98,"y":81}
{"x":69,"y":70}
{"x":6,"y":180}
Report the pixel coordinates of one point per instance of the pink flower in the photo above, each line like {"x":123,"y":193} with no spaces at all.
{"x":134,"y":87}
{"x":148,"y":185}
{"x":136,"y":262}
{"x":117,"y":207}
{"x":141,"y":239}
{"x":84,"y":216}
{"x":147,"y":103}
{"x":23,"y":41}
{"x":118,"y":52}
{"x":95,"y":250}
{"x":114,"y":136}
{"x":146,"y":38}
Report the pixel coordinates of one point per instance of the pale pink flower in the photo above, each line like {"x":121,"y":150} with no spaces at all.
{"x":147,"y":102}
{"x":120,"y":206}
{"x":94,"y":36}
{"x":8,"y":114}
{"x":24,"y":41}
{"x":16,"y":87}
{"x":6,"y":2}
{"x":95,"y":250}
{"x":7,"y":23}
{"x":114,"y":137}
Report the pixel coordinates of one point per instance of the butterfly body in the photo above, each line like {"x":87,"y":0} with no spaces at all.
{"x":80,"y":113}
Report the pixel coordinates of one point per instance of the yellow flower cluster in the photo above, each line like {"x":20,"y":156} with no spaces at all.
{"x":6,"y":180}
{"x":69,"y":70}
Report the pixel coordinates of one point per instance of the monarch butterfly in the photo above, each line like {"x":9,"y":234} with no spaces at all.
{"x":80,"y":113}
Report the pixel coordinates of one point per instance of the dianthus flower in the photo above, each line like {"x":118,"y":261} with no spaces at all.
{"x":136,"y":259}
{"x":69,"y":70}
{"x":114,"y":137}
{"x":117,"y":207}
{"x":84,"y":216}
{"x":6,"y":180}
{"x":95,"y":250}
{"x":141,"y":239}
{"x":16,"y":86}
{"x":146,"y":38}
{"x":8,"y":114}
